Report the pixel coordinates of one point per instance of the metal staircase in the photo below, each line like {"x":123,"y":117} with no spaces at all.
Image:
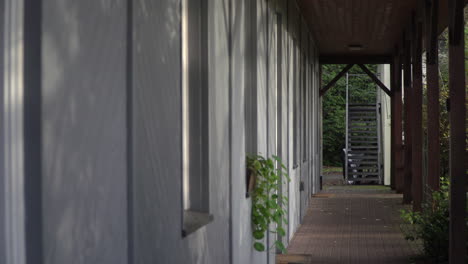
{"x":363,"y":155}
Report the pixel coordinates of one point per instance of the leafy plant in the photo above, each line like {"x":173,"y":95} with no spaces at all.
{"x":431,"y":225}
{"x":267,"y":202}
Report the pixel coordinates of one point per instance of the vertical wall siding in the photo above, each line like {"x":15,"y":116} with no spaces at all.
{"x":218,"y":247}
{"x":156,"y":134}
{"x":3,"y":248}
{"x":283,"y":101}
{"x":262,"y":94}
{"x":84,"y":132}
{"x":272,"y":94}
{"x":157,"y":137}
{"x":291,"y":106}
{"x":242,"y":78}
{"x":97,"y":69}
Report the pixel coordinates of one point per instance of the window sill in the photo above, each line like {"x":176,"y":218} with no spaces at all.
{"x":194,"y":220}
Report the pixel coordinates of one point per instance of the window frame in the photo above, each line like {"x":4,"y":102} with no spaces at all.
{"x":195,"y":117}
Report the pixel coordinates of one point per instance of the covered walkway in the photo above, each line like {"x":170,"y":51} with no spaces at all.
{"x":126,"y":128}
{"x":353,"y":224}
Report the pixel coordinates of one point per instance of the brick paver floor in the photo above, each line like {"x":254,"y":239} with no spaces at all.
{"x":353,"y":224}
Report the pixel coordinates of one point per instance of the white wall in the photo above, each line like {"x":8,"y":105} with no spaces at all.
{"x":111,"y":127}
{"x":12,"y":204}
{"x":384,"y":99}
{"x":84,"y":150}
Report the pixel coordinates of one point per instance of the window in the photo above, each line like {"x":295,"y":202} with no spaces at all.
{"x":195,"y":116}
{"x":250,"y":103}
{"x":304,"y":107}
{"x":296,"y":105}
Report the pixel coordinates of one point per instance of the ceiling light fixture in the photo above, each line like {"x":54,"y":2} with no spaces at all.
{"x":355,"y":47}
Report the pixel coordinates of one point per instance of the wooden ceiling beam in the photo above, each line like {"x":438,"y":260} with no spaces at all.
{"x":337,"y":77}
{"x":355,"y":59}
{"x":376,"y":80}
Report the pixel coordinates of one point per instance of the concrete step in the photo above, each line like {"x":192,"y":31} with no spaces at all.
{"x":293,"y":258}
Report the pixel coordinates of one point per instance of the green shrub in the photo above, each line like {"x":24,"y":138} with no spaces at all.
{"x":431,"y":225}
{"x":267,"y":202}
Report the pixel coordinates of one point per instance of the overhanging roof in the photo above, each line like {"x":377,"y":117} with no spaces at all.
{"x":377,"y":25}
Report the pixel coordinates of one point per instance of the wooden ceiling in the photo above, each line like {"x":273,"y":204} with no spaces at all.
{"x":377,"y":25}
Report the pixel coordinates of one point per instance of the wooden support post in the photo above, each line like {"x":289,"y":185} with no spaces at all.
{"x":416,"y":113}
{"x":337,"y":77}
{"x":433,"y":112}
{"x":407,"y":197}
{"x":457,"y":230}
{"x":397,"y":145}
{"x":393,"y":66}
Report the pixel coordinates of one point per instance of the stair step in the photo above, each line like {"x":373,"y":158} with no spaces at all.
{"x":360,"y":152}
{"x":371,"y":121}
{"x":362,"y":113}
{"x":364,"y":162}
{"x":364,"y":179}
{"x":354,"y":120}
{"x":357,"y":122}
{"x":369,"y":128}
{"x":362,"y":124}
{"x":366,"y":105}
{"x":362,"y":109}
{"x":350,"y":172}
{"x":359,"y":125}
{"x":364,"y":147}
{"x":356,"y":114}
{"x":355,"y":158}
{"x":367,"y":152}
{"x":362,"y":131}
{"x":361,"y":119}
{"x":363,"y":168}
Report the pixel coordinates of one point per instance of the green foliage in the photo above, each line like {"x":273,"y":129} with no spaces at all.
{"x":362,"y":89}
{"x":431,"y":225}
{"x":267,"y":203}
{"x":444,"y":95}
